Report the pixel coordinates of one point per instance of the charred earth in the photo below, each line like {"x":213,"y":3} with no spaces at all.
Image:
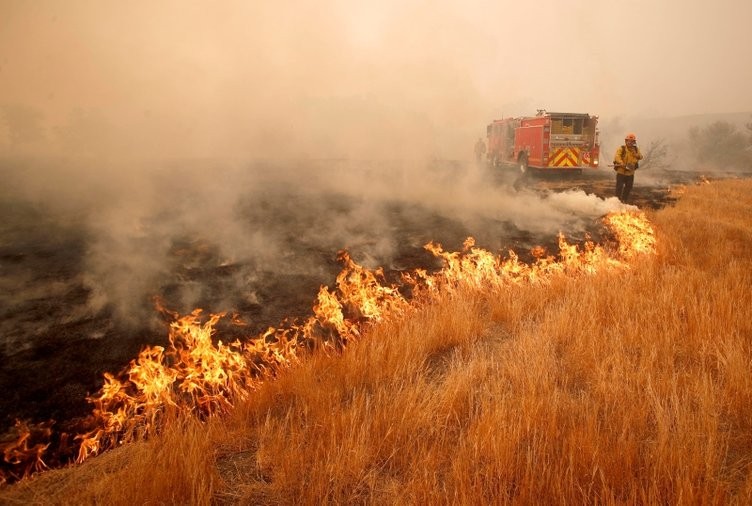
{"x":76,"y":302}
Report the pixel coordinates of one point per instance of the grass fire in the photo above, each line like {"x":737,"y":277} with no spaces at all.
{"x":375,"y":253}
{"x":198,"y":376}
{"x":614,"y":372}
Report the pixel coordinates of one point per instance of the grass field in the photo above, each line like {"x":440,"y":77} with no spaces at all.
{"x":628,"y":386}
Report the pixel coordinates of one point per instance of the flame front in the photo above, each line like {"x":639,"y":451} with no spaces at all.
{"x":197,"y":376}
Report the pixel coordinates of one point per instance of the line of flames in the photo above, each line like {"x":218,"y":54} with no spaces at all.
{"x":196,"y":376}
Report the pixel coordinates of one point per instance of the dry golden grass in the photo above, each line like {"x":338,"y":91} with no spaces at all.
{"x":630,"y":387}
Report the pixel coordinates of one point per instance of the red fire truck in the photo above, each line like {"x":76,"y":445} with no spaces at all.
{"x":548,"y":141}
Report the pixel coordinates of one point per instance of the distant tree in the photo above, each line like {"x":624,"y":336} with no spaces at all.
{"x":720,"y":144}
{"x":655,"y":156}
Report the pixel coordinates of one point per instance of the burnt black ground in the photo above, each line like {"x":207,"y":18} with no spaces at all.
{"x":54,"y":347}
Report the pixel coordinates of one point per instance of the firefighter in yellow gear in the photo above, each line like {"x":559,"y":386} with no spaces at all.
{"x":626,"y":161}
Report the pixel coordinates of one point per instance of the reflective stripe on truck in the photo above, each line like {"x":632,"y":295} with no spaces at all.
{"x":565,"y":157}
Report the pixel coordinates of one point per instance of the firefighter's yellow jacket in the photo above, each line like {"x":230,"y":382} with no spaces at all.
{"x":626,"y":160}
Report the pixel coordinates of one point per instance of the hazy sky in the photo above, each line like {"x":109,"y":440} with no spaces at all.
{"x":360,"y":79}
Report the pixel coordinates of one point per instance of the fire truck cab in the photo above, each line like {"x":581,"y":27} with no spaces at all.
{"x":548,"y":141}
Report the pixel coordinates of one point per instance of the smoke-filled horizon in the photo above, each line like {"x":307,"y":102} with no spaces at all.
{"x":366,"y":80}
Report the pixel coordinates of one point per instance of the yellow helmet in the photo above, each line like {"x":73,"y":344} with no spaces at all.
{"x":630,"y":137}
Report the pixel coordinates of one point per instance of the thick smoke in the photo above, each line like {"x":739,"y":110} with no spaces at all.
{"x":181,"y":140}
{"x":169,"y":229}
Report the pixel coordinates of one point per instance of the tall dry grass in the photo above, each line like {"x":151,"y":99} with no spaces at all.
{"x":630,"y":387}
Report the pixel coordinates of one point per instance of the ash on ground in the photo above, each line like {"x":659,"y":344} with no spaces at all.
{"x":79,"y":292}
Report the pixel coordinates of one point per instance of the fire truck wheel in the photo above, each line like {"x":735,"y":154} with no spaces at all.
{"x":522,"y":164}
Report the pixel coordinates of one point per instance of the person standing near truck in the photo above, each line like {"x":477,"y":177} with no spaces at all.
{"x":480,"y":150}
{"x":626,"y":161}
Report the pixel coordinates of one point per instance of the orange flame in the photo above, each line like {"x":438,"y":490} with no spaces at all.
{"x":197,"y":376}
